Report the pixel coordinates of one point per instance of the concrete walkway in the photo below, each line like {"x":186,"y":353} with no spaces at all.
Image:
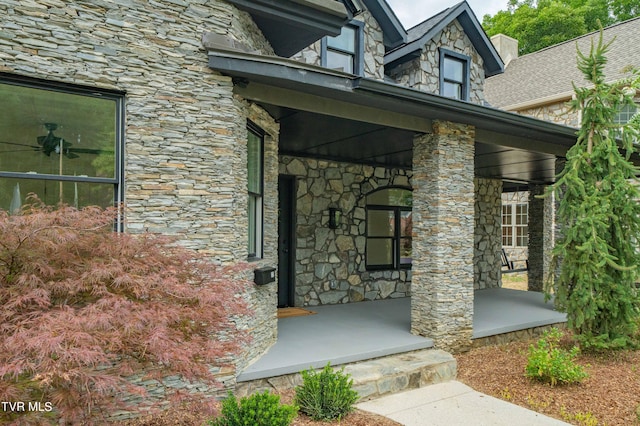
{"x":453,"y":404}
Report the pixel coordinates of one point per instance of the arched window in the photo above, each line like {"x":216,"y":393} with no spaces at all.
{"x":389,"y":228}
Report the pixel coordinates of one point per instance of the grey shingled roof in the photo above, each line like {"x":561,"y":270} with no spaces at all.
{"x":419,"y":35}
{"x":551,"y":71}
{"x":417,"y":31}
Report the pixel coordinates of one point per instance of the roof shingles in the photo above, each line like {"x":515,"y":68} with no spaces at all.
{"x":555,"y":67}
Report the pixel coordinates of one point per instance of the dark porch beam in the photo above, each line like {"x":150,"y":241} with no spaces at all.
{"x":327,"y":106}
{"x":521,"y":142}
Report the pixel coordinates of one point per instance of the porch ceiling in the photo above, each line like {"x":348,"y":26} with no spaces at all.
{"x":316,"y":135}
{"x":338,"y":116}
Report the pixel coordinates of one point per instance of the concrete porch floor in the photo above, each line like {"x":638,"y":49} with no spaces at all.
{"x":347,"y":333}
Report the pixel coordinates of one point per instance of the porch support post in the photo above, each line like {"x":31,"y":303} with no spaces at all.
{"x":443,"y":235}
{"x":488,"y":233}
{"x":541,"y":232}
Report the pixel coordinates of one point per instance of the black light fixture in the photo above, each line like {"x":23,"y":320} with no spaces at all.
{"x":335,"y":217}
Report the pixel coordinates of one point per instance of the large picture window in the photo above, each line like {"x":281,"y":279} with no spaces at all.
{"x":63,"y":143}
{"x":255,"y":183}
{"x":389,"y":229}
{"x":515,"y":229}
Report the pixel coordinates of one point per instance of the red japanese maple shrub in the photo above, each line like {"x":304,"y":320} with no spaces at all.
{"x":83,"y":307}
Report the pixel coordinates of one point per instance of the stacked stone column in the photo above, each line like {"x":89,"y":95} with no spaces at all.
{"x":488,"y":233}
{"x":541,"y":223}
{"x":443,"y":235}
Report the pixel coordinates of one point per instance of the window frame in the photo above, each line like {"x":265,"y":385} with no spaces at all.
{"x":466,"y":71}
{"x":115,"y":95}
{"x":397,"y":237}
{"x":258,"y":233}
{"x":358,"y":54}
{"x":625,"y":113}
{"x":515,"y":233}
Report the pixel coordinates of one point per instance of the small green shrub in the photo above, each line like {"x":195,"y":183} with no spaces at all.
{"x":549,"y":363}
{"x":326,"y":395}
{"x":259,"y":409}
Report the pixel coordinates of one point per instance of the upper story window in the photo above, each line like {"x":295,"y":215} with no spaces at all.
{"x":345,"y":52}
{"x":63,"y":143}
{"x":515,"y":229}
{"x":454,"y":75}
{"x":389,"y":229}
{"x":255,"y":188}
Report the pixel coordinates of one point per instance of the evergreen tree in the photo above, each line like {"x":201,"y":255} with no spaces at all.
{"x":599,"y":213}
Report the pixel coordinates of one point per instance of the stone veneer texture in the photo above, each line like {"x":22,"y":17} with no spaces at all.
{"x":557,"y":113}
{"x":541,"y":237}
{"x":185,"y":152}
{"x":443,"y":200}
{"x":488,"y":233}
{"x":424,"y":73}
{"x":330,"y":263}
{"x":373,"y":49}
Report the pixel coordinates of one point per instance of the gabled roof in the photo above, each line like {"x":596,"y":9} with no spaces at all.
{"x":545,"y":76}
{"x":422,"y":33}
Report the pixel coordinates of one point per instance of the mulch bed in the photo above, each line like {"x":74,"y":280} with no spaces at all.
{"x":611,"y":394}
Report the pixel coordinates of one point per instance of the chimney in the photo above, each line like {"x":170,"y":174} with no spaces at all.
{"x":506,"y":46}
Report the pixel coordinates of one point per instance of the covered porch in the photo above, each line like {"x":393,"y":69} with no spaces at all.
{"x":340,"y":138}
{"x":353,"y":332}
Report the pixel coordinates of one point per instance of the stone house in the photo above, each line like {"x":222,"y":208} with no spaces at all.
{"x":315,"y":137}
{"x":539,"y":85}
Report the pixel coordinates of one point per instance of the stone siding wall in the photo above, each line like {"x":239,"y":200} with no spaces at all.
{"x":488,"y":233}
{"x":373,"y":49}
{"x":185,"y":136}
{"x":541,"y":237}
{"x":310,"y":55}
{"x":330,"y":263}
{"x":557,"y":113}
{"x":262,"y":300}
{"x":443,"y":201}
{"x":424,"y":73}
{"x":180,"y":145}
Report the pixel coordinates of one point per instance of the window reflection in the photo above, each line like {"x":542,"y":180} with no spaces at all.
{"x":59,"y":144}
{"x":389,"y":229}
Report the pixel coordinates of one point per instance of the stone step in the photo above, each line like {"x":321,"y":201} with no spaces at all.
{"x":396,"y":373}
{"x":376,"y":377}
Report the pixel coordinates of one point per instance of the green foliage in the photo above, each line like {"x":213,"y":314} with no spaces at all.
{"x":259,"y":409}
{"x":599,"y":214}
{"x":625,"y":9}
{"x":326,"y":395}
{"x":549,"y":363}
{"x":543,"y":23}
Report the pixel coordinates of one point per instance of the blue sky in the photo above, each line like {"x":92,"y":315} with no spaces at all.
{"x":412,"y":12}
